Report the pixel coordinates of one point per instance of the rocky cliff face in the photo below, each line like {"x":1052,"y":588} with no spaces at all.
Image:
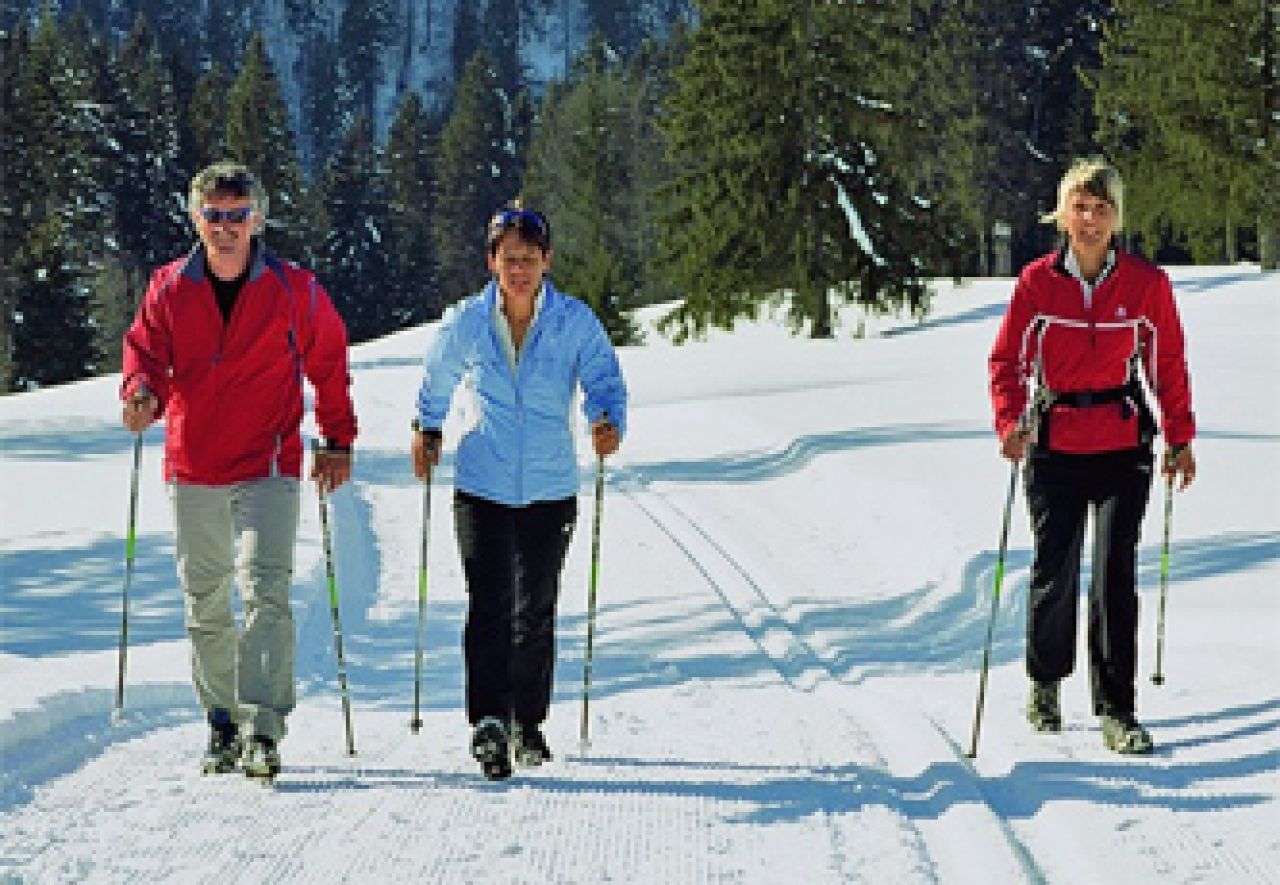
{"x":333,"y":57}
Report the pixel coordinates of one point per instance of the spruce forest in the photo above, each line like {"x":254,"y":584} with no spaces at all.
{"x":717,"y":155}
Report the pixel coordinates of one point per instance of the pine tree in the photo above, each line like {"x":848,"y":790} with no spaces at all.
{"x":327,"y":102}
{"x":650,"y":73}
{"x":935,"y":144}
{"x":1034,"y":107}
{"x":63,"y":228}
{"x":224,"y":35}
{"x":411,"y":153}
{"x":94,"y":250}
{"x":258,"y":135}
{"x":778,"y":129}
{"x":173,"y":19}
{"x":580,"y":174}
{"x":148,"y":187}
{"x":618,"y":23}
{"x":364,"y":32}
{"x":466,"y":40}
{"x":354,"y":262}
{"x":205,"y":132}
{"x":1182,"y":103}
{"x":500,"y":28}
{"x":477,"y":173}
{"x":17,"y":207}
{"x":151,"y":189}
{"x":1269,"y":191}
{"x":727,"y":126}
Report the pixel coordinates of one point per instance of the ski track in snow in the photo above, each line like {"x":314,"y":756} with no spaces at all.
{"x":808,"y":667}
{"x":189,"y":827}
{"x":713,"y":799}
{"x":807,"y":670}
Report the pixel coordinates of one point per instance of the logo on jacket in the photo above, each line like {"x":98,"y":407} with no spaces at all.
{"x":1121,"y":313}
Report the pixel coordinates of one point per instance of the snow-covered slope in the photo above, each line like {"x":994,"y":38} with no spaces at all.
{"x":798,"y":545}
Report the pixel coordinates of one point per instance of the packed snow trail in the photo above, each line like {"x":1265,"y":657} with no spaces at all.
{"x":795,"y":579}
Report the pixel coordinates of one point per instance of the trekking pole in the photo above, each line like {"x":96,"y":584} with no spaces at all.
{"x":1158,"y":676}
{"x":591,"y":596}
{"x":995,"y":603}
{"x":130,"y":543}
{"x":416,"y":722}
{"x":333,"y":608}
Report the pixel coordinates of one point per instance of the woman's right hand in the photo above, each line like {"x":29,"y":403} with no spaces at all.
{"x":1014,"y":444}
{"x":425,"y":449}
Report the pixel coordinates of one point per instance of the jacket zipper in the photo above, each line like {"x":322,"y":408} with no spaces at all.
{"x":531,"y":337}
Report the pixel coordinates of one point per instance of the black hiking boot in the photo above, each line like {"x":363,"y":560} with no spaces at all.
{"x":261,"y":758}
{"x":528,"y":746}
{"x":223,"y":752}
{"x":490,"y":747}
{"x":1043,"y":709}
{"x":1125,"y":735}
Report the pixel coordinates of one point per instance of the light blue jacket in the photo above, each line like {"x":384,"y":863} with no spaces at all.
{"x":521,"y":448}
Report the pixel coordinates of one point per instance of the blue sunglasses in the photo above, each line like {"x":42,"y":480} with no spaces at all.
{"x":218,"y":216}
{"x":522,"y":219}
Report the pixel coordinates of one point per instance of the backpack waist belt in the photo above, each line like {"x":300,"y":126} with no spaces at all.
{"x":1129,"y":395}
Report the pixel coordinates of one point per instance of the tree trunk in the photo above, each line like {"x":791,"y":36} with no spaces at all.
{"x":407,"y":50}
{"x":1002,"y":247}
{"x":1269,"y":243}
{"x":1233,"y":252}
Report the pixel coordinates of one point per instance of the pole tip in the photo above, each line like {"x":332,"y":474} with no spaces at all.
{"x":415,"y":725}
{"x":1157,"y":679}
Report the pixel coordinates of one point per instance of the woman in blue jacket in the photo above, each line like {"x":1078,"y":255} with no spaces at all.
{"x":524,"y":349}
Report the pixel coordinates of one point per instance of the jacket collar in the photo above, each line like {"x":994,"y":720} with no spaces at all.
{"x":1061,"y":265}
{"x":548,"y":298}
{"x":193,"y":268}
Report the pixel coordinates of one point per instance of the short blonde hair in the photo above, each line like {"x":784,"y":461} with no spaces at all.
{"x":1095,"y":177}
{"x":228,"y":178}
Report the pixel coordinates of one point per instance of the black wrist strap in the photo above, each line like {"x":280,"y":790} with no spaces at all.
{"x":431,"y":433}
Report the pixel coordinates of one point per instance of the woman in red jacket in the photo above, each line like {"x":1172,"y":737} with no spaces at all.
{"x":1088,"y":328}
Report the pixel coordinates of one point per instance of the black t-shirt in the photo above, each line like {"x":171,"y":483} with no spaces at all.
{"x":226,"y":291}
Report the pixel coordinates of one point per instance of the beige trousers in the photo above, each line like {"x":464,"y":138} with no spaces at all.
{"x":247,"y":672}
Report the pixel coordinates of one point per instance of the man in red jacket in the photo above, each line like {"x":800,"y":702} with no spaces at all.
{"x":1086,"y":327}
{"x":219,"y":346}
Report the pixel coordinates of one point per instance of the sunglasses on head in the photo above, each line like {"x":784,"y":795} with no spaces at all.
{"x":521,"y":219}
{"x":238,"y":215}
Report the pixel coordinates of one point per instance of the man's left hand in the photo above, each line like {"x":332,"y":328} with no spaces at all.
{"x":330,"y":469}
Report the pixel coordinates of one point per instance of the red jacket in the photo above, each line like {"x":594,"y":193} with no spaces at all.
{"x":1050,"y":339}
{"x":232,"y":392}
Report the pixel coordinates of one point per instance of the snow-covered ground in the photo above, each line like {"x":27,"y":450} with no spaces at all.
{"x":798,"y":546}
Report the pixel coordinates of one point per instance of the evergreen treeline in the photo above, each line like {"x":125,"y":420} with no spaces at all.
{"x":779,"y":150}
{"x":1189,"y":104}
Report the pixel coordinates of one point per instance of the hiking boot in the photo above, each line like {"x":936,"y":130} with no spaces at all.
{"x":261,"y":757}
{"x":528,"y":746}
{"x":1124,"y":734}
{"x":490,"y":747}
{"x":1043,"y":710}
{"x":223,"y":751}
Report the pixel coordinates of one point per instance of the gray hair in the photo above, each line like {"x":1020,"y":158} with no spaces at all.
{"x":227,"y":178}
{"x":1095,"y":177}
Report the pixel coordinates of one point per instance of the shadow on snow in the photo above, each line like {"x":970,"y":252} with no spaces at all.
{"x":768,"y":794}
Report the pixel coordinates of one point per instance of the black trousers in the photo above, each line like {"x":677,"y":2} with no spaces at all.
{"x":511,"y":557}
{"x":1061,"y":491}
